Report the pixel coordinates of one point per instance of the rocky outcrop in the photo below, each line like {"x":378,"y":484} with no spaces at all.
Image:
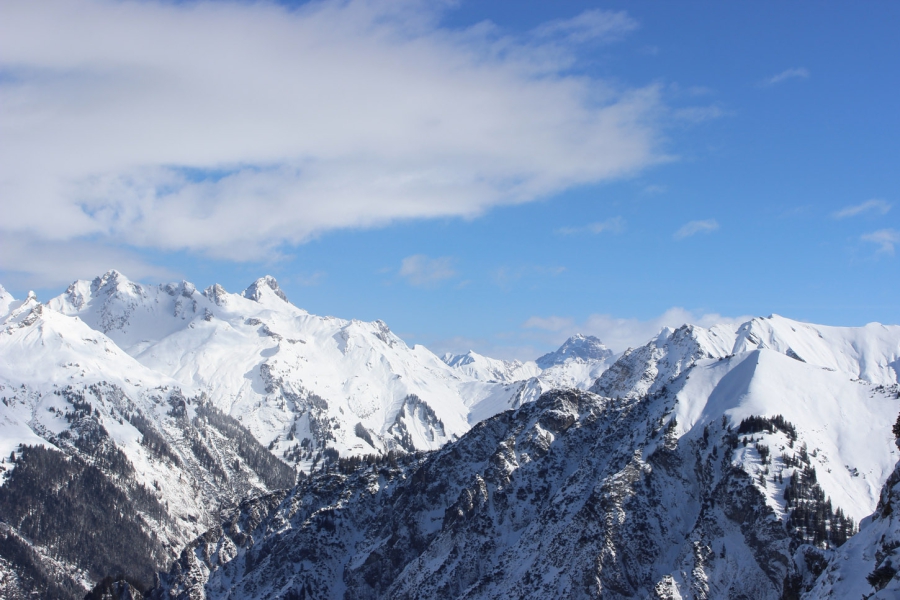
{"x":575,"y":496}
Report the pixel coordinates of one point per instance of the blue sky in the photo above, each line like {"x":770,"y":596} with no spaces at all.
{"x":485,"y":175}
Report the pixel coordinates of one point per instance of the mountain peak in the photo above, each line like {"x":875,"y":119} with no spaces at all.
{"x":585,"y":347}
{"x":258,"y":288}
{"x":216,"y":293}
{"x":110,"y":280}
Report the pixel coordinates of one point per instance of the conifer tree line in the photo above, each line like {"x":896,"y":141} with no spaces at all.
{"x":72,"y":509}
{"x":274,"y":473}
{"x":812,"y":519}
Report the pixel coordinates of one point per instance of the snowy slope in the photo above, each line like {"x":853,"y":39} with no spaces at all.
{"x":48,"y":358}
{"x":868,"y":565}
{"x":299,"y":382}
{"x":843,"y":422}
{"x":573,"y":496}
{"x":648,"y":368}
{"x":69,"y":388}
{"x":668,"y":494}
{"x":870,"y":353}
{"x":86,"y":365}
{"x":7,"y":302}
{"x":834,"y":395}
{"x":484,"y":368}
{"x":586,"y":348}
{"x":576,"y":364}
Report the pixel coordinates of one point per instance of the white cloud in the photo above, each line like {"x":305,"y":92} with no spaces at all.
{"x":422,"y":271}
{"x":869,"y":206}
{"x":796,"y":73}
{"x":622,"y":333}
{"x":590,"y":25}
{"x":29,"y":265}
{"x":233,"y":129}
{"x":695,"y":227}
{"x":698,"y":114}
{"x":885,"y":238}
{"x":655,"y":189}
{"x":611,"y":225}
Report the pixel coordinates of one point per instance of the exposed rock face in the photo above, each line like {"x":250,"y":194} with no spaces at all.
{"x":130,"y":414}
{"x":574,"y":496}
{"x":108,"y":468}
{"x":262,"y":286}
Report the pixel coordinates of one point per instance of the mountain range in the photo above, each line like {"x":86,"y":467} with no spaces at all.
{"x":246,"y":448}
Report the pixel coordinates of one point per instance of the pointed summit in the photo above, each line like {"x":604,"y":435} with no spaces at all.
{"x":259,"y":287}
{"x":216,"y":293}
{"x":584,"y":347}
{"x":111,"y":280}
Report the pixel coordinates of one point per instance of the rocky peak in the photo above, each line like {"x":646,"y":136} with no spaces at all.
{"x":111,"y":281}
{"x":216,"y":293}
{"x":585,"y":347}
{"x":259,"y":287}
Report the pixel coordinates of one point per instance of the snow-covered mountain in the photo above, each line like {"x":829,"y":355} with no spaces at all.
{"x":484,"y":368}
{"x":717,"y":464}
{"x":301,"y":383}
{"x":867,"y":566}
{"x":576,"y":364}
{"x":108,"y":466}
{"x":585,"y":348}
{"x":704,"y":457}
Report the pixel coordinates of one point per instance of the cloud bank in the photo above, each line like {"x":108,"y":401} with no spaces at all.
{"x":234,"y":130}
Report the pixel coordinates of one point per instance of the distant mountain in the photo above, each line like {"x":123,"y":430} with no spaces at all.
{"x":491,"y":369}
{"x":134,"y":418}
{"x":576,"y":364}
{"x":727,"y":464}
{"x":301,"y":383}
{"x":586,"y":348}
{"x":108,"y":467}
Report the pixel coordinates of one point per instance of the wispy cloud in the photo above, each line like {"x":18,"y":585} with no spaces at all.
{"x":27,"y":264}
{"x":621,"y":333}
{"x":796,"y":73}
{"x":234,"y":129}
{"x":875,"y":206}
{"x":591,"y":25}
{"x":884,"y":238}
{"x":655,"y":189}
{"x":695,"y":227}
{"x":611,"y":225}
{"x":698,"y":114}
{"x":421,"y":271}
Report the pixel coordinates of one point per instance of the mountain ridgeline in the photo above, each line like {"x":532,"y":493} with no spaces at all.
{"x":176,"y":443}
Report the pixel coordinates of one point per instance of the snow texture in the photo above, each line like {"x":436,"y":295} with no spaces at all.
{"x":640,"y":486}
